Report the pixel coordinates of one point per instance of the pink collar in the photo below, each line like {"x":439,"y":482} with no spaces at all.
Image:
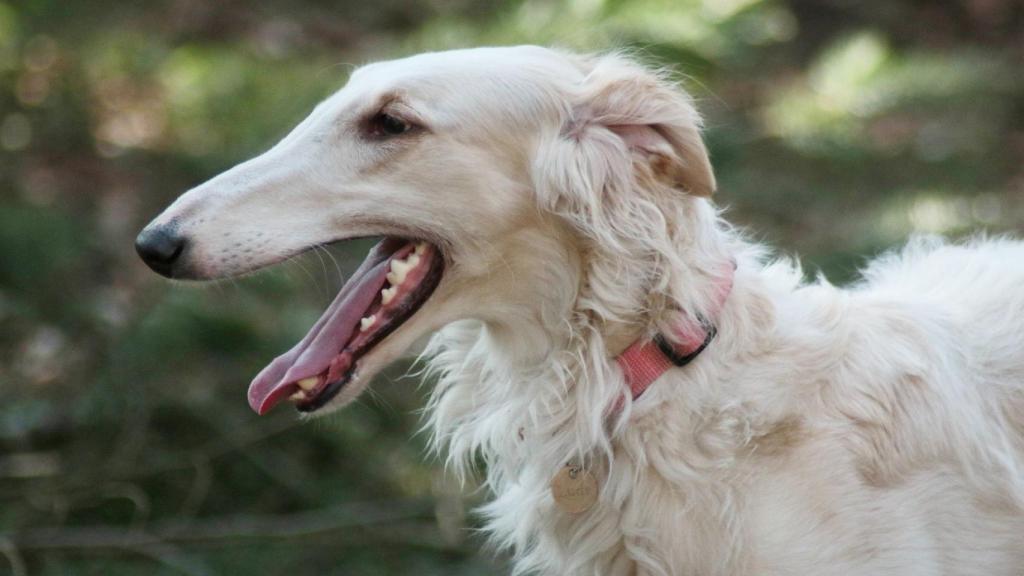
{"x":646,"y":360}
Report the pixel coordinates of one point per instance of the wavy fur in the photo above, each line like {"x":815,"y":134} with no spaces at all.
{"x":877,"y":430}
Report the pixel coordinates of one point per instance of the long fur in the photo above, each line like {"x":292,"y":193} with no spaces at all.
{"x":872,"y":431}
{"x":875,"y":430}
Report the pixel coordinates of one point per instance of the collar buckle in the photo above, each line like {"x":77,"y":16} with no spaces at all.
{"x":678,"y":359}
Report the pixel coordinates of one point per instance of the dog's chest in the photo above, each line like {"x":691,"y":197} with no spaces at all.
{"x":637,"y":518}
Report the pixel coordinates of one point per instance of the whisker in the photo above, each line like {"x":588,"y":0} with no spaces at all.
{"x":337,"y":267}
{"x":323,"y":268}
{"x":296,"y":260}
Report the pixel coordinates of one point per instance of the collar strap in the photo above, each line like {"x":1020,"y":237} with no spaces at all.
{"x":646,"y":360}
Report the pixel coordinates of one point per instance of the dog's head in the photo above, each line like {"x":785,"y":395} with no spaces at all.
{"x":497,"y":177}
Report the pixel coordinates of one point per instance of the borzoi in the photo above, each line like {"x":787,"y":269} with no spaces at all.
{"x":650,"y":392}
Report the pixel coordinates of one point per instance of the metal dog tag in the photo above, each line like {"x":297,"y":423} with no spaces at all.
{"x":574,"y":489}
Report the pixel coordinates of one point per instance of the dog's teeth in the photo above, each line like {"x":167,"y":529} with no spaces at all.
{"x":421,"y":248}
{"x":387,"y":295}
{"x":308,"y":384}
{"x":399,"y":268}
{"x":365,"y":323}
{"x":298,"y":396}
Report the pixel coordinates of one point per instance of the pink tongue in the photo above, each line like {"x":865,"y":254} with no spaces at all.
{"x":313,"y":354}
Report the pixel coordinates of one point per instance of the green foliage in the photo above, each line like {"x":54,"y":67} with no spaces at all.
{"x":126,"y":445}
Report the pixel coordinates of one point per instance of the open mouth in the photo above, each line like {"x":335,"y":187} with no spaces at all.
{"x":395,"y":280}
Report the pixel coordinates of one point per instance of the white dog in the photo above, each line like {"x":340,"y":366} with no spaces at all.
{"x":547,"y":217}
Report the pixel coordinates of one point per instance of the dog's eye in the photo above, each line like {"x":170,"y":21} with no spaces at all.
{"x":384,"y":125}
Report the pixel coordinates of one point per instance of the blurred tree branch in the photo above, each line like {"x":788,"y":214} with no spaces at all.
{"x":408,"y":522}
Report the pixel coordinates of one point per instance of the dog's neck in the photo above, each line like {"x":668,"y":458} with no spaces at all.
{"x":526,"y":419}
{"x":649,"y":357}
{"x":559,"y":379}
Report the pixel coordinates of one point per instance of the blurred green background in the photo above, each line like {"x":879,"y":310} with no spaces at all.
{"x":126,"y":445}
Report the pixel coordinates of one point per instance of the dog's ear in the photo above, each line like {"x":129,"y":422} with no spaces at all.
{"x":656,"y":126}
{"x":627,"y":168}
{"x":627,"y":155}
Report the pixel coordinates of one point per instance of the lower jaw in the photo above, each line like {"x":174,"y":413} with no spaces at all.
{"x":327,"y":394}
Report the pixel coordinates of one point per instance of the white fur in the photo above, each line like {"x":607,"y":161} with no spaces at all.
{"x":872,"y":431}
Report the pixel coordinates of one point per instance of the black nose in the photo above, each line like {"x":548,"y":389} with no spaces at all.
{"x":159,"y":247}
